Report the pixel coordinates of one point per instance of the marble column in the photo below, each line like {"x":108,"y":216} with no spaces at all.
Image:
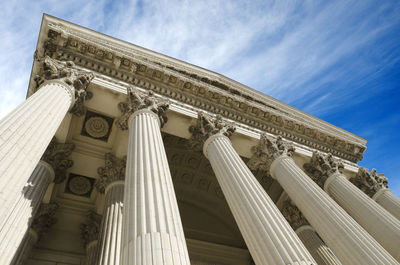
{"x":376,"y":187}
{"x":152,"y":227}
{"x":314,"y":244}
{"x":22,"y":214}
{"x":90,"y":233}
{"x":44,"y":219}
{"x":267,"y":234}
{"x":26,"y":132}
{"x":347,"y":239}
{"x":111,"y":182}
{"x":378,"y":222}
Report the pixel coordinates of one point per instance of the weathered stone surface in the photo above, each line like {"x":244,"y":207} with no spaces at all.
{"x":207,"y":126}
{"x":369,"y":182}
{"x":267,"y":150}
{"x":321,"y":167}
{"x":67,"y":72}
{"x":138,"y":101}
{"x":57,"y":155}
{"x":113,"y":170}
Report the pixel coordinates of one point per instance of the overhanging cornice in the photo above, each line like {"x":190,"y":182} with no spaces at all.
{"x":192,"y":85}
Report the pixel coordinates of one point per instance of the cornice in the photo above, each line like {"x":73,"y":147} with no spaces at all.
{"x":192,"y":85}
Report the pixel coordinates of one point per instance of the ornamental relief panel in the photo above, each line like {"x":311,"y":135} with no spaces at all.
{"x":200,"y":92}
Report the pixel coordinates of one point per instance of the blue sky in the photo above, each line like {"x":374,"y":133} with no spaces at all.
{"x":337,"y":60}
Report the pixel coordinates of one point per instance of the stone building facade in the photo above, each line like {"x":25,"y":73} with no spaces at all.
{"x":121,"y":155}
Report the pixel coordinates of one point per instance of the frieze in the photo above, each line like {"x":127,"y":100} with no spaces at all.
{"x":206,"y":94}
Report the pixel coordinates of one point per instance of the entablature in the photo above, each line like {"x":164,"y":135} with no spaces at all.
{"x":117,"y":64}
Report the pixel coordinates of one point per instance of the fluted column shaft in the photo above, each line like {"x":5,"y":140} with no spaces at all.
{"x":378,"y":222}
{"x":152,"y":228}
{"x":389,"y":201}
{"x":24,"y":135}
{"x":109,"y":252}
{"x":267,"y":234}
{"x":316,"y":246}
{"x":25,"y":248}
{"x":23,"y":212}
{"x":348,"y":240}
{"x":91,"y":252}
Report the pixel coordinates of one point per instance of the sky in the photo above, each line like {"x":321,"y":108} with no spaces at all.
{"x":337,"y":60}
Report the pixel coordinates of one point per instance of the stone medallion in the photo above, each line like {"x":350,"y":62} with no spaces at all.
{"x":79,"y":185}
{"x":97,"y":127}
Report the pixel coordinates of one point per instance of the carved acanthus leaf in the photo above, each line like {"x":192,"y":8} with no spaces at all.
{"x":113,"y":170}
{"x":267,"y":150}
{"x":91,"y":227}
{"x":44,"y":218}
{"x":293,"y":215}
{"x":321,"y":167}
{"x":57,"y":155}
{"x":138,"y":101}
{"x":66,"y":71}
{"x":369,"y":182}
{"x":207,"y":126}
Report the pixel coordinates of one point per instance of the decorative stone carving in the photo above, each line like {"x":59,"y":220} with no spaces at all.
{"x":67,"y":72}
{"x":113,"y":170}
{"x":321,"y":167}
{"x":79,"y":185}
{"x":138,"y":101}
{"x":215,"y":95}
{"x":44,"y":218}
{"x":267,"y":150}
{"x":369,"y":182}
{"x":57,"y":155}
{"x":293,"y":215}
{"x":207,"y":126}
{"x":91,"y":227}
{"x":97,"y":127}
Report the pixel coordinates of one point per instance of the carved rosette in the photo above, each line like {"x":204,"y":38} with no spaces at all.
{"x":139,"y":101}
{"x":66,"y":72}
{"x":369,"y":182}
{"x":44,"y":218}
{"x":321,"y":167}
{"x":113,"y":170}
{"x":267,"y":150}
{"x":293,"y":215}
{"x":57,"y":155}
{"x":90,"y":228}
{"x":207,"y":126}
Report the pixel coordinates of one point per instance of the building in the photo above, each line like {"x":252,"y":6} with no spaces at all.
{"x":121,"y":155}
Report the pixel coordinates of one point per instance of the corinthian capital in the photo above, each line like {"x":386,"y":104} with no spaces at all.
{"x":138,"y":101}
{"x":57,"y":155}
{"x":369,"y":182}
{"x":321,"y":167}
{"x":293,"y":215}
{"x":113,"y":170}
{"x":90,"y":227}
{"x":66,"y":72}
{"x":267,"y":150}
{"x":207,"y":126}
{"x":44,"y":218}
